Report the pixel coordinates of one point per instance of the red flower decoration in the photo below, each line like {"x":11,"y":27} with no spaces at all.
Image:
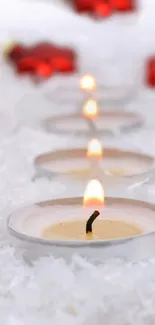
{"x":150,"y":72}
{"x":43,"y":59}
{"x":104,"y":8}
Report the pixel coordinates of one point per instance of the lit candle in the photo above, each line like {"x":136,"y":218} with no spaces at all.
{"x":75,"y":164}
{"x":94,"y":154}
{"x":90,"y":113}
{"x":88,"y":83}
{"x":94,"y":229}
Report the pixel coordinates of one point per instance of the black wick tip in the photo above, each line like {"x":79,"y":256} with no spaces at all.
{"x":91,"y":220}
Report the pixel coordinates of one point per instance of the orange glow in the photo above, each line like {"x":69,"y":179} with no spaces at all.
{"x":88,"y":83}
{"x":94,"y":149}
{"x":94,"y":194}
{"x":90,"y":109}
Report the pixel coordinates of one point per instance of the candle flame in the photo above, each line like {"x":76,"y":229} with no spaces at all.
{"x":94,"y":194}
{"x":94,"y":149}
{"x":90,"y":109}
{"x":88,"y":82}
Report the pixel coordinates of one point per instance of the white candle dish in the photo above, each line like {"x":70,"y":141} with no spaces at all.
{"x":108,"y":123}
{"x":117,"y":166}
{"x":26,"y":226}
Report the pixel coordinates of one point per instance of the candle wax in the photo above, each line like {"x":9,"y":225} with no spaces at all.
{"x":102,"y":230}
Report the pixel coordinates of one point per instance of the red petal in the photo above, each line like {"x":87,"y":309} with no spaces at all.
{"x":66,"y":52}
{"x":17,"y":52}
{"x":27,"y":65}
{"x":103,"y":8}
{"x":63,"y":64}
{"x":44,"y":70}
{"x":83,"y":5}
{"x":124,"y":5}
{"x":150,"y":72}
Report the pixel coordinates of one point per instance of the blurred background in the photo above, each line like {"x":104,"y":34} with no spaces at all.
{"x":114,"y":41}
{"x":125,"y":38}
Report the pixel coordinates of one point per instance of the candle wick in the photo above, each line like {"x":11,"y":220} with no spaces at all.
{"x":90,"y":221}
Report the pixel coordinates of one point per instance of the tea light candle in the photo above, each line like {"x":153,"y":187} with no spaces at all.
{"x":81,"y":164}
{"x":110,"y":122}
{"x":118,"y":227}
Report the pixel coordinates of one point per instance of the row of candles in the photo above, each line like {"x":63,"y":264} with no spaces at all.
{"x":60,"y":224}
{"x":91,"y":113}
{"x":94,"y":152}
{"x":94,"y":193}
